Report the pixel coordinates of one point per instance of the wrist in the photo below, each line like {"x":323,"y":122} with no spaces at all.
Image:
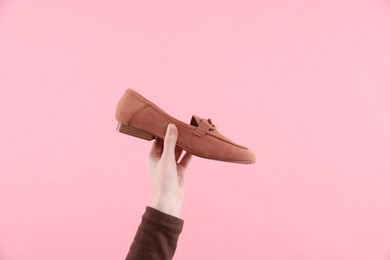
{"x":169,"y":204}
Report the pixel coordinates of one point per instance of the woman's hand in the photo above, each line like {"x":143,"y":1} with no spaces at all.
{"x":167,"y":173}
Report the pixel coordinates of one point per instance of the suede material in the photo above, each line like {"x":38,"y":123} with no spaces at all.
{"x":127,"y":107}
{"x":203,"y":140}
{"x":202,"y":128}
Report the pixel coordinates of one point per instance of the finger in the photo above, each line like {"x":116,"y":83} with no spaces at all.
{"x":170,"y":141}
{"x":182,"y":168}
{"x":178,"y":152}
{"x":157,"y":148}
{"x":185,"y":160}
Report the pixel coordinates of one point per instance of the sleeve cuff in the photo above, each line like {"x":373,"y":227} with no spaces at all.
{"x":163,"y":220}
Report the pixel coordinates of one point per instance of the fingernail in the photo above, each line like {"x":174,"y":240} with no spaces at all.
{"x":171,"y":128}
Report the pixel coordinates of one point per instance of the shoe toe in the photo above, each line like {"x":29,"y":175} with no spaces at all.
{"x":250,"y":157}
{"x":245,"y":156}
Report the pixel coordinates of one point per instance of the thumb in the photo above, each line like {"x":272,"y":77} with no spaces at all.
{"x":170,"y":141}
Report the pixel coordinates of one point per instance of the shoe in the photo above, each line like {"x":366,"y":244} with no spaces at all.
{"x":140,"y":118}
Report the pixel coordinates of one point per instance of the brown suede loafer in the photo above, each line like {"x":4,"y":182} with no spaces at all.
{"x":139,"y":117}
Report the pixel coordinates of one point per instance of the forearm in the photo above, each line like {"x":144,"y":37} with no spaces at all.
{"x":167,"y":203}
{"x":156,"y":237}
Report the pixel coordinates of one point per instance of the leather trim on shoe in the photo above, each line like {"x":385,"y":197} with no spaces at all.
{"x":202,"y":128}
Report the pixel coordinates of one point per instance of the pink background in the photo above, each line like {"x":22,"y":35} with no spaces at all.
{"x":305,"y":84}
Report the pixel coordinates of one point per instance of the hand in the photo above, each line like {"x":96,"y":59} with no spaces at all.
{"x":167,"y":174}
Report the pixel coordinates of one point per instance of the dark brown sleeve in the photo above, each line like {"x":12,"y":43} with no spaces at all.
{"x":156,"y":237}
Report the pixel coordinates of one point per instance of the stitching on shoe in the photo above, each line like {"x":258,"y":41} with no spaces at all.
{"x":166,"y":115}
{"x":160,"y":111}
{"x":208,"y":132}
{"x":136,"y":113}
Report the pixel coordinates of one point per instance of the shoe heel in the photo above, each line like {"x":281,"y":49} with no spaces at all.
{"x":125,"y":129}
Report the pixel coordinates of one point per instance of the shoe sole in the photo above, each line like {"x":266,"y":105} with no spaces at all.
{"x":129,"y":130}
